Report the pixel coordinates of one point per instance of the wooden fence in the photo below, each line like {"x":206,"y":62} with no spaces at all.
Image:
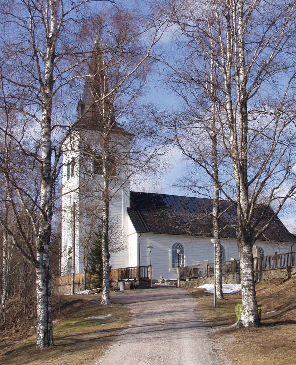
{"x":77,"y":282}
{"x":276,"y":261}
{"x":129,"y":273}
{"x":69,"y":279}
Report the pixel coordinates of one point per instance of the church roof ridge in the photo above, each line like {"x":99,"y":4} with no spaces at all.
{"x":183,"y":215}
{"x":177,"y":196}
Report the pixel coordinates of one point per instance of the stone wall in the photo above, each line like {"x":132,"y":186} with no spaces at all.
{"x":235,"y":278}
{"x":285,"y":273}
{"x":193,"y":283}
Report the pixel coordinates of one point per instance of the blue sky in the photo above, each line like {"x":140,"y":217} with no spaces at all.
{"x":164,"y":99}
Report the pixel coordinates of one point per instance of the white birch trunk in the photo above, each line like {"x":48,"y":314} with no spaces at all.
{"x":216,"y":187}
{"x":44,"y":320}
{"x":218,"y":250}
{"x":238,"y":152}
{"x":249,"y":317}
{"x":106,"y":194}
{"x":4,"y":276}
{"x":105,"y":255}
{"x":5,"y":247}
{"x":249,"y":302}
{"x":44,"y":324}
{"x":218,"y":271}
{"x":106,"y":221}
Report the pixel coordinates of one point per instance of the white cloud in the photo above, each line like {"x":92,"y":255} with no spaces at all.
{"x":169,"y":34}
{"x":171,"y":168}
{"x":290,"y":223}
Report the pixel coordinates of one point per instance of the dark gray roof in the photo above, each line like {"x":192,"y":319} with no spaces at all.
{"x":181,"y":215}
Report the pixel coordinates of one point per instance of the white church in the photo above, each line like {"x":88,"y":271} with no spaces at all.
{"x":146,"y":228}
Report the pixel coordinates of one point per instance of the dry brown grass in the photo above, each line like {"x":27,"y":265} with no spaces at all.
{"x":274,"y":343}
{"x":80,"y":337}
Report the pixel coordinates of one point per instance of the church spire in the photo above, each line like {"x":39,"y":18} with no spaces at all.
{"x":96,"y":105}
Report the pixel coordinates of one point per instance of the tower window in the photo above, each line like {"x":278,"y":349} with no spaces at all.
{"x":223,"y":253}
{"x":70,"y":168}
{"x":68,"y":171}
{"x":98,"y":165}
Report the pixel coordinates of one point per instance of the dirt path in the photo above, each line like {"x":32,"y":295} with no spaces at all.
{"x":165,"y":329}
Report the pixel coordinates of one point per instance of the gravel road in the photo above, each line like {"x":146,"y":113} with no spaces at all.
{"x":166,"y":328}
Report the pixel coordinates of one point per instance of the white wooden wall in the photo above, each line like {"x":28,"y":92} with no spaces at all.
{"x":196,"y":251}
{"x":84,"y":188}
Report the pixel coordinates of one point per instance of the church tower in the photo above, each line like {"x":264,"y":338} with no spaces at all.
{"x":94,"y":138}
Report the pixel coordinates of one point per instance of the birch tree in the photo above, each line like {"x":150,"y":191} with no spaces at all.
{"x":120,"y":62}
{"x":14,"y":171}
{"x":18,"y":244}
{"x":205,"y":155}
{"x":37,"y":63}
{"x":253,"y":48}
{"x":197,"y":135}
{"x":5,"y":273}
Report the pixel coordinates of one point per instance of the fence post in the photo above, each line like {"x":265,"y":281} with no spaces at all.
{"x":260,"y":268}
{"x":73,"y":283}
{"x":150,"y":274}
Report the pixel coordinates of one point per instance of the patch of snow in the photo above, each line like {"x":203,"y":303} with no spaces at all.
{"x":99,"y":317}
{"x":227,"y":288}
{"x":83,"y":292}
{"x":88,"y":291}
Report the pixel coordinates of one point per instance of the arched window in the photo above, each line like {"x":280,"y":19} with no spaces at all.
{"x":68,"y":170}
{"x":261,"y":252}
{"x":177,"y":255}
{"x":223,"y":253}
{"x":72,"y":167}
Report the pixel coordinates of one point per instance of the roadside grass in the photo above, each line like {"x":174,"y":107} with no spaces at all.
{"x":273,"y":343}
{"x":83,"y":331}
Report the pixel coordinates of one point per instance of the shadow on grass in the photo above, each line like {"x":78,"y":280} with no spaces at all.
{"x":64,"y":345}
{"x":97,"y":338}
{"x":76,"y":334}
{"x":74,"y":337}
{"x":278,"y":323}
